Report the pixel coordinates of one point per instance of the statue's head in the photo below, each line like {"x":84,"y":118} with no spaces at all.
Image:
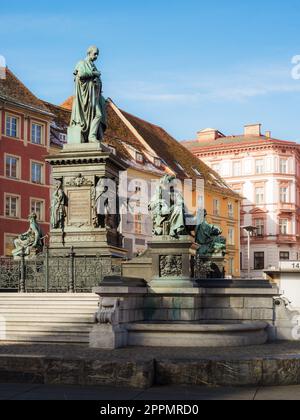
{"x":58,"y":183}
{"x":32,"y":217}
{"x":93,"y":53}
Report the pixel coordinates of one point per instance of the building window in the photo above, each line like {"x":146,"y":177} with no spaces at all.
{"x":36,"y":133}
{"x":216,"y":207}
{"x":283,"y":166}
{"x":139,"y":157}
{"x":36,"y":173}
{"x":216,"y":167}
{"x":259,"y":195}
{"x":283,"y":226}
{"x":12,"y":206}
{"x":284,"y":194}
{"x":260,"y":227}
{"x":237,"y":169}
{"x":11,"y":126}
{"x":259,"y":260}
{"x":231,"y":266}
{"x":231,"y":238}
{"x":259,"y":166}
{"x":11,"y":167}
{"x":138,"y":224}
{"x":9,"y":244}
{"x":37,"y":207}
{"x":230,"y":210}
{"x":284,"y":256}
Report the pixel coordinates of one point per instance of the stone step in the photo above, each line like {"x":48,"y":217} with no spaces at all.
{"x":45,"y":317}
{"x":48,"y":318}
{"x":46,"y":328}
{"x":52,"y":338}
{"x":35,"y":308}
{"x":44,"y":295}
{"x":43,"y":310}
{"x":61,"y":300}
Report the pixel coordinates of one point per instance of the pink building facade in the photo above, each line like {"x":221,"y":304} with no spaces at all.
{"x":266,"y":172}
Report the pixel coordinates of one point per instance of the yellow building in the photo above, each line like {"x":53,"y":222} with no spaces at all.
{"x":150,"y":153}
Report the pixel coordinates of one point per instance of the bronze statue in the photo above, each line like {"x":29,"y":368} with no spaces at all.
{"x":58,"y":207}
{"x":168,"y":210}
{"x":105,"y":205}
{"x":89,"y":106}
{"x":209,"y":238}
{"x":31,"y":242}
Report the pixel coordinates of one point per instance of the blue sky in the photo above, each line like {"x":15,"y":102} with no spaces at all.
{"x":184,"y":65}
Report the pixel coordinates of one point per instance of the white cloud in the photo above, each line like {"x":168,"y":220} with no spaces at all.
{"x":238,"y":85}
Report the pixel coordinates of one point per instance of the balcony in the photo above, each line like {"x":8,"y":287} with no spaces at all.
{"x":287,"y":207}
{"x":287,"y":239}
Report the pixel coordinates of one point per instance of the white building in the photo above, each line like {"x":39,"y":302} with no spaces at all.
{"x":265,"y":171}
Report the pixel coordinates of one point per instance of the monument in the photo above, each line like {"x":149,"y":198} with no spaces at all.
{"x":160,"y":301}
{"x":85,"y":208}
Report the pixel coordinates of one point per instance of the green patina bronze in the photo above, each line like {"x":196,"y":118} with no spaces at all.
{"x":31,"y":242}
{"x":88,"y":121}
{"x":168,"y":210}
{"x":209,"y":238}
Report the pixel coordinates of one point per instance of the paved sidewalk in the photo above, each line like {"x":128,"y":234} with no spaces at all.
{"x":45,"y":392}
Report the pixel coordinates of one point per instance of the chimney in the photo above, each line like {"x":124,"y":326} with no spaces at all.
{"x":209,"y":134}
{"x":252,"y":130}
{"x":268,"y":134}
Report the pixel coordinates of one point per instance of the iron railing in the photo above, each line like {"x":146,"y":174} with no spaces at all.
{"x":55,"y":274}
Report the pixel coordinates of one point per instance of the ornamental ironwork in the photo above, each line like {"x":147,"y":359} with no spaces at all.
{"x":56,"y":274}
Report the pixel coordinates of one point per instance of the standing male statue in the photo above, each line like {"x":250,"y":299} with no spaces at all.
{"x":88,"y":121}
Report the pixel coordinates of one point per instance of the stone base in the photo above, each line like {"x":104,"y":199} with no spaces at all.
{"x":108,"y":337}
{"x":232,"y":312}
{"x":79,"y":167}
{"x":88,"y":242}
{"x":167,"y":263}
{"x":193,"y":335}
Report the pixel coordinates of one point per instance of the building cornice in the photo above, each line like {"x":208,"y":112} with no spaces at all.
{"x":4,"y":100}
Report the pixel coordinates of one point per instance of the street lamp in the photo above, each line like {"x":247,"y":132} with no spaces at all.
{"x":250,"y":232}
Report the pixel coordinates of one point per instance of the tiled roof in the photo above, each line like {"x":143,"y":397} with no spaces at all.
{"x":232,"y":141}
{"x":12,"y":89}
{"x":172,"y":153}
{"x":62,"y":116}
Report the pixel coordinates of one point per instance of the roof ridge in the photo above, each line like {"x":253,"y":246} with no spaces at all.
{"x":23,"y":85}
{"x":56,"y":106}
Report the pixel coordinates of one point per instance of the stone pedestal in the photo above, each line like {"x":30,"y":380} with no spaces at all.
{"x":79,"y":167}
{"x":171,"y":262}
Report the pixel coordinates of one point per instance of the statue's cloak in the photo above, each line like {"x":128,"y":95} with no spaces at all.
{"x":88,"y":102}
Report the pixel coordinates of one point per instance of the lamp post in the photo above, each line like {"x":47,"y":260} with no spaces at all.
{"x":250,"y":232}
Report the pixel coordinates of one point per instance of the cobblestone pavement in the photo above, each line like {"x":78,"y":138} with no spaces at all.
{"x":54,"y":393}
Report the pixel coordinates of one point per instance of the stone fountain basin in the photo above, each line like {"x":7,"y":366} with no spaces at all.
{"x":197,"y":335}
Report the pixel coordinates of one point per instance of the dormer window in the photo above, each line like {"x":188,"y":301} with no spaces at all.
{"x":112,"y":149}
{"x":197,"y":172}
{"x":179,"y":166}
{"x":139,"y":157}
{"x":63,"y":138}
{"x":157,"y":162}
